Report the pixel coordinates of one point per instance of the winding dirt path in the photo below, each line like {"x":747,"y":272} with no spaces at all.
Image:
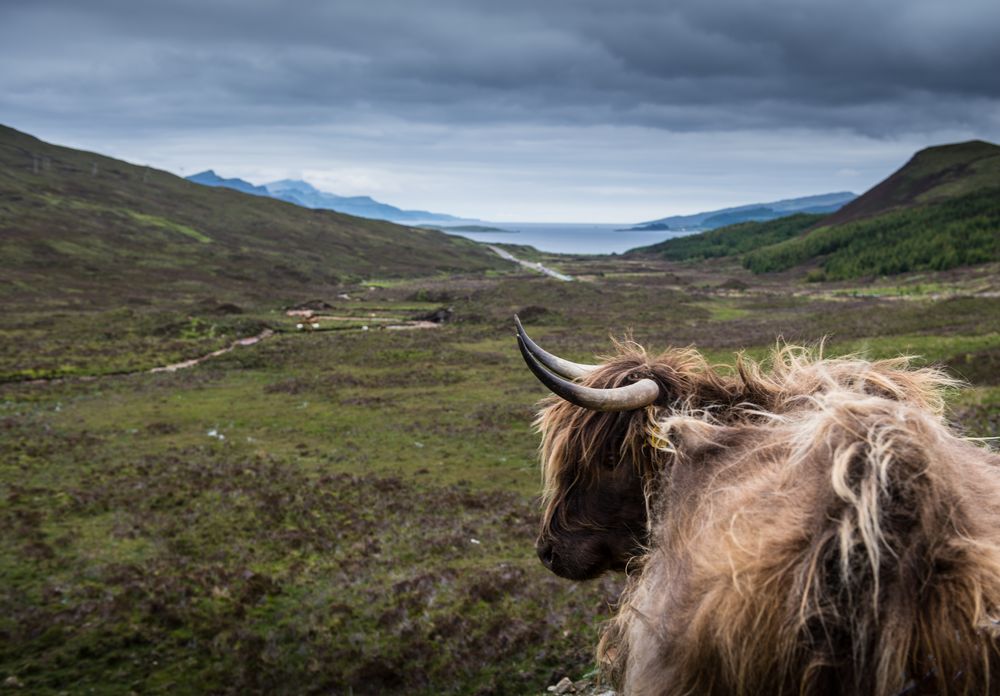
{"x":184,"y":364}
{"x":249,"y":341}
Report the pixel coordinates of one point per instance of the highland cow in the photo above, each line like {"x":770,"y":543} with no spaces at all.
{"x":801,"y":526}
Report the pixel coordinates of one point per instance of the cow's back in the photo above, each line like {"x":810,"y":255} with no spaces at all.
{"x":853,"y":547}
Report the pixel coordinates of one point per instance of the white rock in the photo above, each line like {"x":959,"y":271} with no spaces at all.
{"x":565,"y":686}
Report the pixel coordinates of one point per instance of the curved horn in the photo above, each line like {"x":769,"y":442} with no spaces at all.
{"x":563,"y":368}
{"x":628,"y":398}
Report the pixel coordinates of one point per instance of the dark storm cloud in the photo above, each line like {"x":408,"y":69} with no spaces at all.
{"x":872,"y":68}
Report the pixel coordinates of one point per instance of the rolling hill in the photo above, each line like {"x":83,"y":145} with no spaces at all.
{"x":933,"y":175}
{"x":938,"y":211}
{"x":100,"y":230}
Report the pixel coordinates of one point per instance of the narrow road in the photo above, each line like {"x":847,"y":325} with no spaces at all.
{"x":533,"y":265}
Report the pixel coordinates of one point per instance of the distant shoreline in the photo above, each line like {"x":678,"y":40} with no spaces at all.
{"x":470,"y":229}
{"x":564,"y":238}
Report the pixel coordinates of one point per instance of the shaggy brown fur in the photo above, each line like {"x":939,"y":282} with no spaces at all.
{"x":598,"y":467}
{"x":810,"y":528}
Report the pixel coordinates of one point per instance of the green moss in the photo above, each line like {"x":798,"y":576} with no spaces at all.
{"x":721,"y":310}
{"x":155,"y":221}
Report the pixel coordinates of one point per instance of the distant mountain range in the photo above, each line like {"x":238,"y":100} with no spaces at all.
{"x":712,"y":219}
{"x":308,"y":196}
{"x":210,"y":178}
{"x":939,"y":210}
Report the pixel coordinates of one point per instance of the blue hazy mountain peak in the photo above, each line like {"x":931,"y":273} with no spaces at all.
{"x":308,"y":196}
{"x":711,"y":219}
{"x":291,"y":185}
{"x":210,"y":178}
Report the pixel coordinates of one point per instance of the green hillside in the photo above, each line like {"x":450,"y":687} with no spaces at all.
{"x":933,"y":175}
{"x":730,"y":240}
{"x":99,"y":230}
{"x":957,"y":232}
{"x":940,"y":210}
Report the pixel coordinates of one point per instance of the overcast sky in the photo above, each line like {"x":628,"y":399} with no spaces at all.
{"x":547,"y":110}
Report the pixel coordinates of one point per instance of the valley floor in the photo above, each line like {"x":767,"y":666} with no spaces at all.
{"x":352,"y":509}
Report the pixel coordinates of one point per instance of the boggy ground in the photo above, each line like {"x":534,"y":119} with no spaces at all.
{"x":353,"y":511}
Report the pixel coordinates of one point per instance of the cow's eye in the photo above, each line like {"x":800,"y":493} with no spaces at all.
{"x":610,"y":460}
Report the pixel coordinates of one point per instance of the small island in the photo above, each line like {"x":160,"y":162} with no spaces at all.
{"x":651,"y":227}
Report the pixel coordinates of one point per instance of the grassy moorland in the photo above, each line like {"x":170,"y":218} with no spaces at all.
{"x":351,"y":510}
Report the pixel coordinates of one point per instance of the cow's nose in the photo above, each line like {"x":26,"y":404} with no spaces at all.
{"x":546,"y":553}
